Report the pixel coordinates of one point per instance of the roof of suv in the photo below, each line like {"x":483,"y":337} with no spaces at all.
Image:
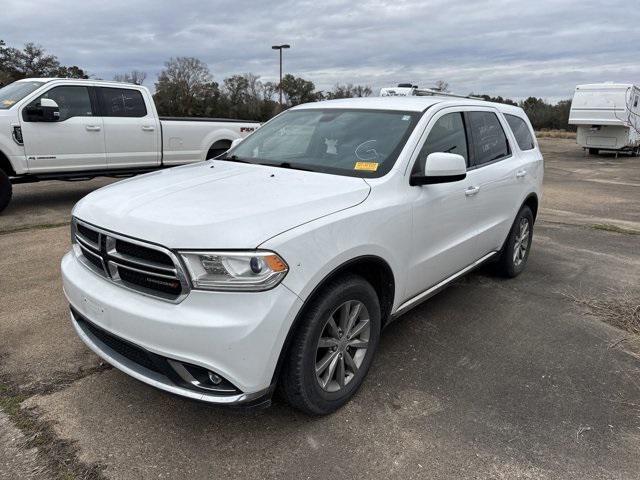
{"x":404,"y":103}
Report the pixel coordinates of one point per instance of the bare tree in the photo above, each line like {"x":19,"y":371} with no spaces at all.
{"x":136,"y":77}
{"x":441,"y":86}
{"x":349,"y":91}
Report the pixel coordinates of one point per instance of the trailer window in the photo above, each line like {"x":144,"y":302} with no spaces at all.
{"x":521,"y":132}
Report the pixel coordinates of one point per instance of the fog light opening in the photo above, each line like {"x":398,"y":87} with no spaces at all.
{"x":215,"y":378}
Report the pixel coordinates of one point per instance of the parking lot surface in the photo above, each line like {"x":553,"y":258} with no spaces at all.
{"x":492,"y":378}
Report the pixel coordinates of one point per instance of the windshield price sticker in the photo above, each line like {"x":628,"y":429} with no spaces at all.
{"x":368,"y":166}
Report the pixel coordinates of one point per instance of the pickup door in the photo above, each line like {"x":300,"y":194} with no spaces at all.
{"x":131,"y":127}
{"x":74,"y":142}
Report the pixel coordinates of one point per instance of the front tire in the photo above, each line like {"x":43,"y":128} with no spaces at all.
{"x":515,"y":252}
{"x":333,"y":348}
{"x":6,"y":190}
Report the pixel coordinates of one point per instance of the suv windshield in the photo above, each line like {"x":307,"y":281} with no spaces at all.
{"x":353,"y":142}
{"x":16,"y":91}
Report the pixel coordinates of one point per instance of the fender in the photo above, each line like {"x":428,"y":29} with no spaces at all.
{"x":215,"y":136}
{"x":344,"y":267}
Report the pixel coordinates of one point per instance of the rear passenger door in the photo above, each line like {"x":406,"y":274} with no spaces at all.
{"x":131,"y":129}
{"x":493,"y":192}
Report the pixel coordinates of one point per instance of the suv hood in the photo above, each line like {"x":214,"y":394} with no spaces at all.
{"x":218,"y":204}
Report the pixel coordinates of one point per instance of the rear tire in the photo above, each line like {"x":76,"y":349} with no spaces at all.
{"x":330,"y":355}
{"x":594,"y":151}
{"x":6,"y":190}
{"x":515,"y":252}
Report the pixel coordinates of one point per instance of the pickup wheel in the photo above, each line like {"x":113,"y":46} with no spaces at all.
{"x":332,"y":349}
{"x":6,"y":190}
{"x":515,"y":252}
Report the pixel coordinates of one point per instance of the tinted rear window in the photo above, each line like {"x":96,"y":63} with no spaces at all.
{"x":489,"y":141}
{"x":521,"y":132}
{"x":122,"y":102}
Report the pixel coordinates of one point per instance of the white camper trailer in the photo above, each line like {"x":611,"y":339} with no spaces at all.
{"x":607,"y":116}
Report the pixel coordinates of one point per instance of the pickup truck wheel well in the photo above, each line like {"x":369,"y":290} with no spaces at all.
{"x":374,"y":270}
{"x":218,"y":148}
{"x":532,"y":202}
{"x":5,"y":165}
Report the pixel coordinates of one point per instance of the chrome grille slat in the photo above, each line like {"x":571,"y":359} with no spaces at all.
{"x":148,"y":278}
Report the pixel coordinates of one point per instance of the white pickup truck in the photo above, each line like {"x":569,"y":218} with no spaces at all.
{"x":68,"y":129}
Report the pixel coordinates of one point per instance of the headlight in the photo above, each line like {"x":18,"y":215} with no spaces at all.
{"x":247,"y":271}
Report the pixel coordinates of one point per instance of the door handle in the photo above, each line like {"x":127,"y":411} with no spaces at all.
{"x":148,"y":128}
{"x":521,"y":173}
{"x":470,"y":191}
{"x":92,"y":128}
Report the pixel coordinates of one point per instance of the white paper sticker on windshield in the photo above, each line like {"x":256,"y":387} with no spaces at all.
{"x":332,"y":146}
{"x":406,"y":118}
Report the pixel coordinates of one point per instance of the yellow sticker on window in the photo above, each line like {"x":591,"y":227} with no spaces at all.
{"x":368,"y":166}
{"x":8,"y":103}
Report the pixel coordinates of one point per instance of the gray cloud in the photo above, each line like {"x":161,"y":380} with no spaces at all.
{"x":510,"y":48}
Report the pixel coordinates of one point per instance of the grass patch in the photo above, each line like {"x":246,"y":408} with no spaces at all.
{"x":622,"y":310}
{"x":614,"y":228}
{"x":59,"y":457}
{"x":555,"y":134}
{"x":42,"y":226}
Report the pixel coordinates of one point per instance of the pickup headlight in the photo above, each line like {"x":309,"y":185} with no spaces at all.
{"x":235,"y":271}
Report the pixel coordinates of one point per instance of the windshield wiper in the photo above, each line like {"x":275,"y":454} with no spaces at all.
{"x":288,"y":165}
{"x":233,"y":158}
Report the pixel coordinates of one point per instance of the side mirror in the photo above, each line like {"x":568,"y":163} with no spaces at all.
{"x":235,"y":142}
{"x":46,"y":111}
{"x":441,"y":167}
{"x":50,"y":110}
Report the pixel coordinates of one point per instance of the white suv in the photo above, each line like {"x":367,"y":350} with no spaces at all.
{"x":279,"y":263}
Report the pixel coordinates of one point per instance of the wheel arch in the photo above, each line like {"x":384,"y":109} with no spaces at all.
{"x":532,"y":202}
{"x":5,"y":164}
{"x":372,"y":268}
{"x":222,"y":144}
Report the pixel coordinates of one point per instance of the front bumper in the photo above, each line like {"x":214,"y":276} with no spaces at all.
{"x":236,"y":335}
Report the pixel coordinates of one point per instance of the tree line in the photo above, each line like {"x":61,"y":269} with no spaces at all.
{"x":186,"y":87}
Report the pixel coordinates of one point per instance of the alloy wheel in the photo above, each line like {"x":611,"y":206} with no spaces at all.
{"x":522,"y":242}
{"x":342,"y":346}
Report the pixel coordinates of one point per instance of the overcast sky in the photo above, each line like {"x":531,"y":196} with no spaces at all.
{"x":510,"y":48}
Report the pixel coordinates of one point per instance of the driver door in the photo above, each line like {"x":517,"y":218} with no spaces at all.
{"x":74,"y":142}
{"x":443,"y":236}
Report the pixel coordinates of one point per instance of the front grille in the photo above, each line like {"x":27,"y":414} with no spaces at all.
{"x":146,"y":268}
{"x":144,"y":253}
{"x":151,"y":282}
{"x":89,"y":234}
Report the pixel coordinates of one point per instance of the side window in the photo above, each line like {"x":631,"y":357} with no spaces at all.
{"x":74,"y":101}
{"x":521,"y":132}
{"x":447,"y":135}
{"x":122,"y":102}
{"x":489,"y":141}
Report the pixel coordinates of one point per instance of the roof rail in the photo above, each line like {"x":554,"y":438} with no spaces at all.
{"x":433,"y":91}
{"x":407,"y":89}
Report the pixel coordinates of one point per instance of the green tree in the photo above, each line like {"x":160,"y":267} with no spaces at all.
{"x":298,"y":90}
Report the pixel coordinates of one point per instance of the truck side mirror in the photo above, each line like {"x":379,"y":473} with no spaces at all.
{"x":46,"y":110}
{"x":441,"y":167}
{"x":235,"y":142}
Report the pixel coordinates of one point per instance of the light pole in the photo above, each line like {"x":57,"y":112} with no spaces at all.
{"x":280,"y":47}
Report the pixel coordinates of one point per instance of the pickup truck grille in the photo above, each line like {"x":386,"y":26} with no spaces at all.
{"x":146,"y":268}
